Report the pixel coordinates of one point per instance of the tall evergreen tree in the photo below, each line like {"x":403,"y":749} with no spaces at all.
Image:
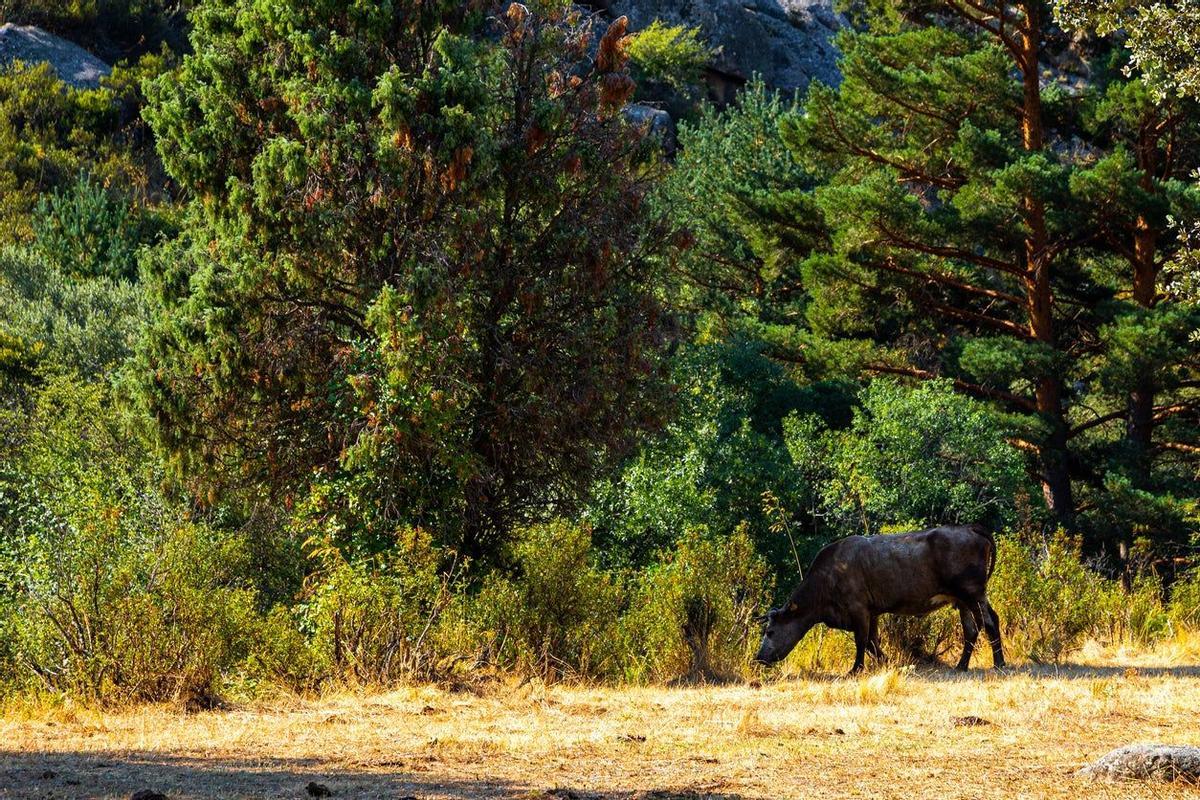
{"x":415,"y":284}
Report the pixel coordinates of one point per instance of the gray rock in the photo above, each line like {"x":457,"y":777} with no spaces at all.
{"x":655,"y":120}
{"x":787,"y":42}
{"x":1153,"y":762}
{"x":33,"y":45}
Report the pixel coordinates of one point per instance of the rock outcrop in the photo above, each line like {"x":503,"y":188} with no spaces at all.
{"x":787,"y":42}
{"x":33,"y":45}
{"x":656,"y":121}
{"x":1148,"y":762}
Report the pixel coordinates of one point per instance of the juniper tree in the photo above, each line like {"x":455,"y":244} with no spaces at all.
{"x":415,"y":284}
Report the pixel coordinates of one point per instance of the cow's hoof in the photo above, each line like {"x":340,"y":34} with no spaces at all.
{"x":962,"y":668}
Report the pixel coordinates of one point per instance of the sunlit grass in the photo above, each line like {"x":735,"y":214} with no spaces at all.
{"x":894,"y":731}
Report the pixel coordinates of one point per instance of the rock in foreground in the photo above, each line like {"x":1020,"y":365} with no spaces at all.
{"x":1148,"y":762}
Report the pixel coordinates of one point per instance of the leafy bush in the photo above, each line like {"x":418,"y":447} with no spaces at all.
{"x":669,"y":54}
{"x":1048,"y":601}
{"x":692,"y":617}
{"x":373,"y":618}
{"x":1184,"y":607}
{"x":557,"y":614}
{"x":85,"y":326}
{"x":715,"y":462}
{"x":923,"y":456}
{"x":920,"y":639}
{"x":115,"y":593}
{"x":283,"y":656}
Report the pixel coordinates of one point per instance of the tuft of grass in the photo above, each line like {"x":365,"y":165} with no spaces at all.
{"x":883,"y":685}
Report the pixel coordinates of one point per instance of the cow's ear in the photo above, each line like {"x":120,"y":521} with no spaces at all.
{"x":793,"y":607}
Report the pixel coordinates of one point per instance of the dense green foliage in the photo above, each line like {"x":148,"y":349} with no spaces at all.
{"x":353,"y":343}
{"x":111,"y":589}
{"x":1163,"y":37}
{"x":414,"y":285}
{"x":672,"y":54}
{"x":943,"y":227}
{"x":81,"y":325}
{"x":50,"y":133}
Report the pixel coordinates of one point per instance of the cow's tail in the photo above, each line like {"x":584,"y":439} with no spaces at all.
{"x":982,"y":530}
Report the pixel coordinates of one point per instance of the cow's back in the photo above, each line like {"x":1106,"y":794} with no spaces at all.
{"x":913,"y":573}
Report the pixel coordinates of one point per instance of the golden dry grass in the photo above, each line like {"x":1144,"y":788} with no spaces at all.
{"x":895,"y":733}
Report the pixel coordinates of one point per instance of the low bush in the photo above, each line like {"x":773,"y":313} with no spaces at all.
{"x":1138,"y":616}
{"x":372,"y":619}
{"x":114,"y":593}
{"x":283,"y":657}
{"x":693,"y":616}
{"x":1049,"y":602}
{"x":924,"y":639}
{"x":556,"y":614}
{"x":1184,"y":607}
{"x":82,"y":325}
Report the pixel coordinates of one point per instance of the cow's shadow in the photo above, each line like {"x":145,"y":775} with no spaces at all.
{"x":1063,"y":671}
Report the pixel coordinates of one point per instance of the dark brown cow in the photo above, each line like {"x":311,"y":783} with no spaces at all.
{"x":854,"y":580}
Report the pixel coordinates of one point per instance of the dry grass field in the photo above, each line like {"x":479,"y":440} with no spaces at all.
{"x":894,"y":733}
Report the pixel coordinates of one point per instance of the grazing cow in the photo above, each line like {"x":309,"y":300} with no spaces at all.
{"x":854,"y":580}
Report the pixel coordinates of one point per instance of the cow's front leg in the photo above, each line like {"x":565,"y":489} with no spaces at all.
{"x":862,"y":637}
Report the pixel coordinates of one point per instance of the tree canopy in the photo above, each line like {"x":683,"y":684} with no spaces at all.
{"x":415,"y":283}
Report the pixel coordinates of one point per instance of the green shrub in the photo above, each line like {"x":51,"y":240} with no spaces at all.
{"x":282,"y":656}
{"x":925,"y":456}
{"x":373,"y":618}
{"x":86,"y":231}
{"x":113,"y":29}
{"x":116,"y":594}
{"x":692,"y":617}
{"x":85,"y":325}
{"x":556,"y":615}
{"x":1184,"y":608}
{"x":110,"y":619}
{"x":713,"y":464}
{"x":921,"y":639}
{"x":1137,"y":616}
{"x":1049,"y":602}
{"x":669,"y":54}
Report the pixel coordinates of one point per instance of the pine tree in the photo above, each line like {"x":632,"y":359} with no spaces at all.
{"x":999,"y":202}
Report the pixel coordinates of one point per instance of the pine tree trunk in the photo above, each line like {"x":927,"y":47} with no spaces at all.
{"x":1056,"y":477}
{"x":1139,"y":425}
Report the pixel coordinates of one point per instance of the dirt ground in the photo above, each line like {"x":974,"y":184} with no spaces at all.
{"x":897,"y":733}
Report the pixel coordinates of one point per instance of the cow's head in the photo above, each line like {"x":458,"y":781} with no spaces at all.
{"x":785,"y":627}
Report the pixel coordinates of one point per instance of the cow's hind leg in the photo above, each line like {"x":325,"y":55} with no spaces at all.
{"x":991,"y":624}
{"x":971,"y":619}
